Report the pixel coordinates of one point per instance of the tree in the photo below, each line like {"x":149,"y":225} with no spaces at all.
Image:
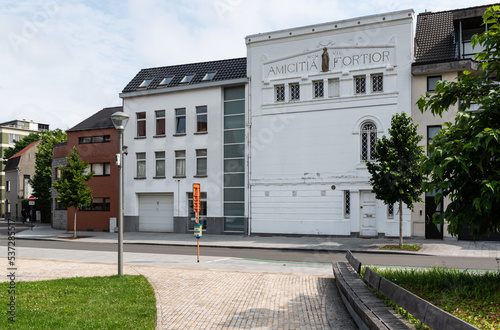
{"x":42,"y":180}
{"x":72,"y":185}
{"x":396,"y":176}
{"x":20,"y":145}
{"x":464,"y":161}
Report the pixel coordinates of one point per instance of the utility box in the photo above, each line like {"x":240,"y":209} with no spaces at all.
{"x":112,"y":225}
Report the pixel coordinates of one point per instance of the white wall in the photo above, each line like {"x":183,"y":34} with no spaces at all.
{"x":212,"y":98}
{"x":299,"y":149}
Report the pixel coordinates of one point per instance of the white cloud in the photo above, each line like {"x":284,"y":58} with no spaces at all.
{"x":61,"y":61}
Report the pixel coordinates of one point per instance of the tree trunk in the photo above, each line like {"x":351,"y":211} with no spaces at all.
{"x":400,"y":224}
{"x":74,"y":223}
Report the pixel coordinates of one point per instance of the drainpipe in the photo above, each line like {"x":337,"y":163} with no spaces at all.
{"x":249,"y":153}
{"x":460,"y":41}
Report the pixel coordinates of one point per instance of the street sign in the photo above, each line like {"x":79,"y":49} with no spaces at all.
{"x":196,"y":197}
{"x":196,"y":207}
{"x":31,"y":198}
{"x":31,"y":202}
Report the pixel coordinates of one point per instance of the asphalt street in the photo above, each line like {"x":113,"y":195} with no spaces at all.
{"x":161,"y":252}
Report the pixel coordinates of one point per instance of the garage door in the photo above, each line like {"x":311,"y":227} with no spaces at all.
{"x":156,"y":213}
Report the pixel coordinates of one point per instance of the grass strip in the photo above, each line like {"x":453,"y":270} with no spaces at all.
{"x":471,"y":296}
{"x":405,"y":247}
{"x":114,"y":302}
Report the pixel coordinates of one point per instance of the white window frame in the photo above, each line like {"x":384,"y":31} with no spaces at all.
{"x":318,"y":89}
{"x":360,"y":85}
{"x":377,"y":86}
{"x":294,"y":92}
{"x":180,"y":114}
{"x":180,"y":163}
{"x":160,"y":116}
{"x":141,"y":121}
{"x":159,"y":159}
{"x":347,"y":204}
{"x":368,"y":135}
{"x":201,"y":111}
{"x":279,"y":93}
{"x":201,"y":154}
{"x":140,"y":165}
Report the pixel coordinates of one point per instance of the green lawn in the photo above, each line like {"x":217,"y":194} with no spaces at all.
{"x":115,"y":302}
{"x":471,"y":296}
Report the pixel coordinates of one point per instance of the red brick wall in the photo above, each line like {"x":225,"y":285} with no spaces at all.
{"x":102,"y":186}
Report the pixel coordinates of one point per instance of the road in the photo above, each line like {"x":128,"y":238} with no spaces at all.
{"x":161,"y":252}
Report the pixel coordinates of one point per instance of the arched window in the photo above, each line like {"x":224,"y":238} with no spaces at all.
{"x":368,"y":140}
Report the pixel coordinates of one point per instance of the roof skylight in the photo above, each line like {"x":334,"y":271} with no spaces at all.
{"x":145,"y":83}
{"x":166,"y":81}
{"x":208,"y":76}
{"x":187,"y":78}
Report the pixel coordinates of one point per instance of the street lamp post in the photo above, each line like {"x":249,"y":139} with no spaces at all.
{"x":120,"y":120}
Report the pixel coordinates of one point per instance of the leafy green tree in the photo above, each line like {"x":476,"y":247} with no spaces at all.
{"x":396,"y":176}
{"x":42,"y":180}
{"x":72,"y":185}
{"x":20,"y":145}
{"x":464,"y":161}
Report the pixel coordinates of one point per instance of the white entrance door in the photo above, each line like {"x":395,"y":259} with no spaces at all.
{"x":156,"y":213}
{"x":368,"y":214}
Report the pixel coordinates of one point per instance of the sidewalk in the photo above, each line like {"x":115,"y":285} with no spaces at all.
{"x":480,"y":249}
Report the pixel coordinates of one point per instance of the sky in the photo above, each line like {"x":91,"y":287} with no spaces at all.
{"x":63,"y":60}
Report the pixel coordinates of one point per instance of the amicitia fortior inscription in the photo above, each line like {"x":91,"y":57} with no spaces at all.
{"x":327,"y":61}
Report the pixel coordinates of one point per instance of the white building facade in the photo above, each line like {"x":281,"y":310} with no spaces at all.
{"x":319,"y":96}
{"x":187,"y":125}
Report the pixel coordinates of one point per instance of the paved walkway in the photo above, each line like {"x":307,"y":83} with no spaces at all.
{"x":447,"y":247}
{"x":189,"y":298}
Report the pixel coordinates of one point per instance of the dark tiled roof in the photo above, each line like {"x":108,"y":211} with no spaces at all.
{"x":434,"y":38}
{"x":99,"y":120}
{"x":12,"y":164}
{"x":225,"y":70}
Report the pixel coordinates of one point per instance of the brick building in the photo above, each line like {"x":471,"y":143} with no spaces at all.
{"x":96,"y":140}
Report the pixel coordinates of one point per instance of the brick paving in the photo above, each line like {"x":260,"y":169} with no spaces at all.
{"x":190,"y":298}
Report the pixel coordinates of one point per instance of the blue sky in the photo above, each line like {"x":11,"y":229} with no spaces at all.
{"x":62,"y":61}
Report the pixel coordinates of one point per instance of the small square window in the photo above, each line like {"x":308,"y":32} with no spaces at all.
{"x":294,"y":92}
{"x":209,"y":76}
{"x":145,"y":83}
{"x":187,"y":78}
{"x":431,"y":83}
{"x":318,"y":89}
{"x":360,"y":84}
{"x":166,"y":81}
{"x":377,"y":83}
{"x":280,"y":93}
